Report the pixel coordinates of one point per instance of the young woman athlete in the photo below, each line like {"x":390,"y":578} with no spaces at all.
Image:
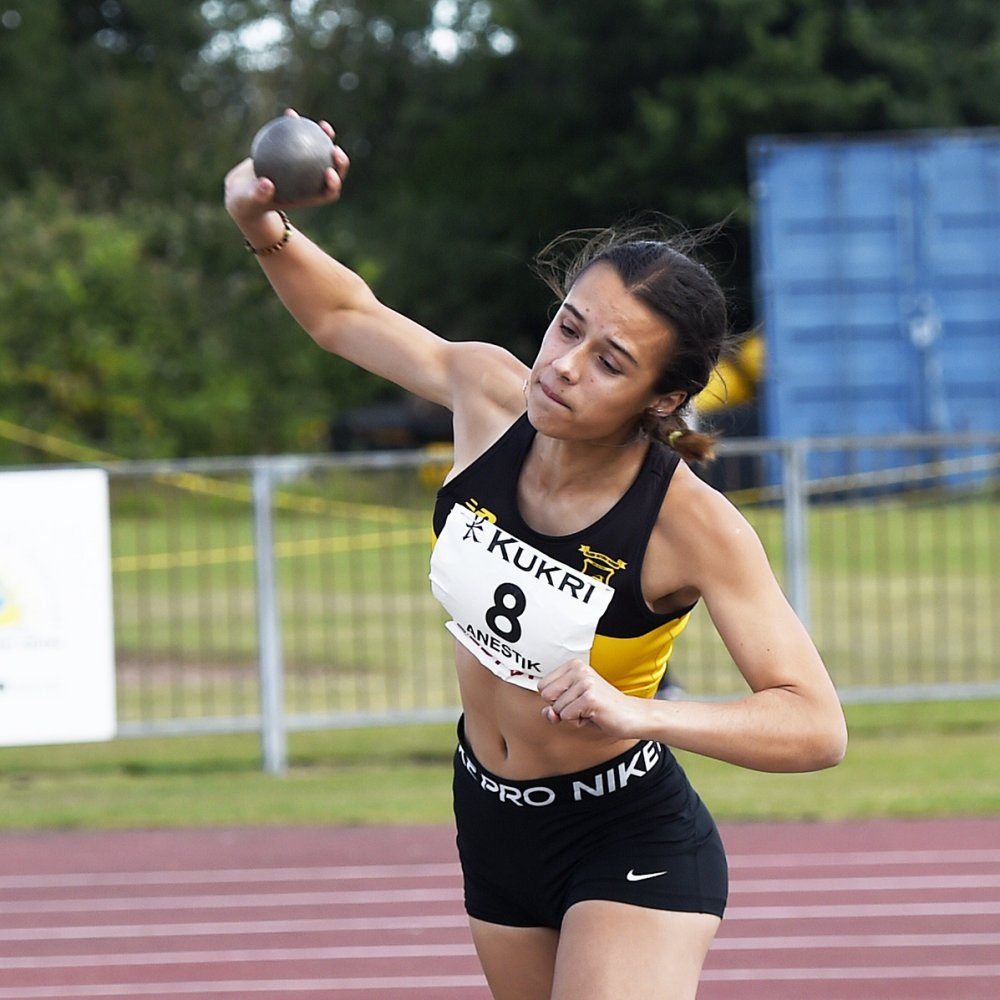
{"x":572,"y":544}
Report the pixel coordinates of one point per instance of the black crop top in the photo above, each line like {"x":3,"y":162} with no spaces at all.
{"x":633,"y":643}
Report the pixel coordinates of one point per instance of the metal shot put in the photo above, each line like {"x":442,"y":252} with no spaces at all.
{"x":293,"y":153}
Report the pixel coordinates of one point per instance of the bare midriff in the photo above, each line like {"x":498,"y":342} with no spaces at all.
{"x":509,"y":735}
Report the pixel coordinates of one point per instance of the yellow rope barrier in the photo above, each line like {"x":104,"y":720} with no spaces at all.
{"x":193,"y":482}
{"x":53,"y":445}
{"x":282,"y":550}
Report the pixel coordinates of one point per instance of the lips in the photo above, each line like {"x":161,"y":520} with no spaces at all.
{"x":554,"y":396}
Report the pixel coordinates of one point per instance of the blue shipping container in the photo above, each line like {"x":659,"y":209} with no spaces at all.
{"x":878,"y":282}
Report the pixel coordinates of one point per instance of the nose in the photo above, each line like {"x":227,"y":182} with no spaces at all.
{"x":566,"y":366}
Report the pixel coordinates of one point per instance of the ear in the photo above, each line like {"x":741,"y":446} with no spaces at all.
{"x":663,"y":406}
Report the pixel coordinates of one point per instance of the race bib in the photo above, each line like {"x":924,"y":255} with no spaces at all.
{"x":520,"y":612}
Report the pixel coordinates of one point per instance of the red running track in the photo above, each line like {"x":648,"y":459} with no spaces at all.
{"x":844,"y":911}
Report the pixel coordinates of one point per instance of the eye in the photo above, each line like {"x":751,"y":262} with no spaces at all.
{"x":567,"y":331}
{"x":609,"y":366}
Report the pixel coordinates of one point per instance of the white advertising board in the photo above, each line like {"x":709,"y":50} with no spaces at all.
{"x":57,"y":673}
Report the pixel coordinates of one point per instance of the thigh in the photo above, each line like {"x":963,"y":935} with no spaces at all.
{"x":518,"y":961}
{"x":617,"y":951}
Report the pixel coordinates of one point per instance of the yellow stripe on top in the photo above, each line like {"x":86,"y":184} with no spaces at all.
{"x":636,"y":665}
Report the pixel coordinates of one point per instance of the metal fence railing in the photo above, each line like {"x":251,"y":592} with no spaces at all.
{"x":287,"y":593}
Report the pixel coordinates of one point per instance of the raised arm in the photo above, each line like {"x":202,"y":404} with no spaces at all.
{"x":479,"y":382}
{"x":332,"y":303}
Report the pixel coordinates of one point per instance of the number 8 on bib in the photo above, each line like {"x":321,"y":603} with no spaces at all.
{"x":520,"y":612}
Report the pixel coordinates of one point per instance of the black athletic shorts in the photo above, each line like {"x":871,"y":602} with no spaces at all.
{"x":631,"y":830}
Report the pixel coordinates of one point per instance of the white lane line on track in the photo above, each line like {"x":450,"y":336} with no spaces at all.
{"x":864,"y":883}
{"x":462,"y":949}
{"x":876,"y":973}
{"x":241,"y":987}
{"x":819,"y":911}
{"x":829,"y":859}
{"x":795,"y":941}
{"x":352,"y":897}
{"x":332,"y":954}
{"x":223,"y":876}
{"x":333,"y":925}
{"x":236,"y":900}
{"x":856,"y":910}
{"x":56,"y":880}
{"x":382,"y":984}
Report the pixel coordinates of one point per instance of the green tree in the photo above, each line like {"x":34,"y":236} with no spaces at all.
{"x":133,"y":319}
{"x":107,"y":97}
{"x":613,"y":107}
{"x":553,"y":116}
{"x":115,"y":335}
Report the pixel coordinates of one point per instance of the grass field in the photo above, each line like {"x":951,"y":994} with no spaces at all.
{"x":917,"y":760}
{"x":904,"y":590}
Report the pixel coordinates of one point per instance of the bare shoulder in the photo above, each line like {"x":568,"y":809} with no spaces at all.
{"x":692,"y":503}
{"x":487,"y":396}
{"x":703,"y":529}
{"x":487,"y":372}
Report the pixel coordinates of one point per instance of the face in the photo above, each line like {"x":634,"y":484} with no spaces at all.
{"x":599,"y":360}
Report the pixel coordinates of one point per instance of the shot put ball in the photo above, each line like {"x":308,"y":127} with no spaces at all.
{"x":294,"y":154}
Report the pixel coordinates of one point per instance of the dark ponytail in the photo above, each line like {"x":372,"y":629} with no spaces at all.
{"x":673,"y":431}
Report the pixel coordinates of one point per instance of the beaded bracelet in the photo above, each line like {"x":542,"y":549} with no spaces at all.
{"x":275,"y":247}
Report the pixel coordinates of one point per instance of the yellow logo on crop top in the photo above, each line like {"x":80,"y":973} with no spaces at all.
{"x":473,"y":504}
{"x":595,"y":564}
{"x":600,"y":566}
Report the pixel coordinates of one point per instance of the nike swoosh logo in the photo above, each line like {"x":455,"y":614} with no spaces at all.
{"x":632,"y":877}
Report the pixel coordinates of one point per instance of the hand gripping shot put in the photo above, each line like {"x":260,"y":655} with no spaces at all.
{"x":293,"y":153}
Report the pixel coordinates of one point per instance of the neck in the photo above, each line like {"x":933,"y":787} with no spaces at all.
{"x":559,"y":462}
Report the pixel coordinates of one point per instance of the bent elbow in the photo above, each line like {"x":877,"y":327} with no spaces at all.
{"x":834,"y":755}
{"x":831,"y":749}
